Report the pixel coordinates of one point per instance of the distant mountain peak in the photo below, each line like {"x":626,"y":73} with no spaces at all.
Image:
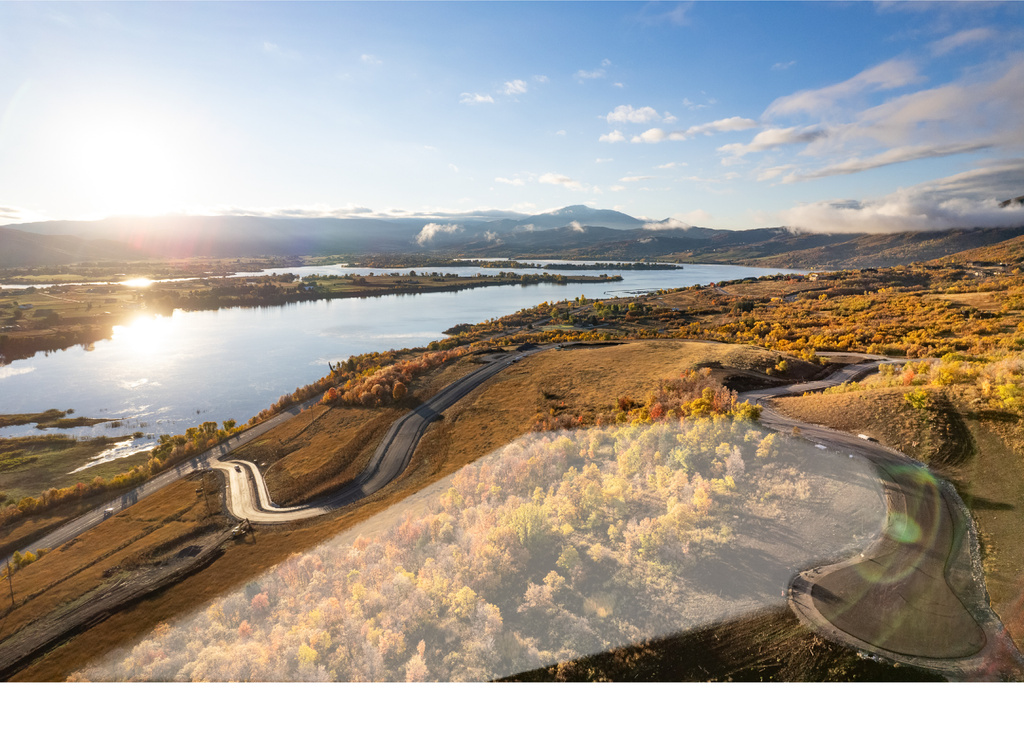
{"x":584,"y":216}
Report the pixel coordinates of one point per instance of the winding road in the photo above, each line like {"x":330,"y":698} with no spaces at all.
{"x":917,"y":594}
{"x":249,"y":499}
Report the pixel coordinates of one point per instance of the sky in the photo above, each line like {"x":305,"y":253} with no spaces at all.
{"x":867,"y":117}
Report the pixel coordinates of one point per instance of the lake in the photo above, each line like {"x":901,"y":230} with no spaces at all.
{"x":161,"y":375}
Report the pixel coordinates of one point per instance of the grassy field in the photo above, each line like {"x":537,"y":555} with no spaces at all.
{"x":580,"y":382}
{"x":29,"y":466}
{"x":134,"y":536}
{"x":49,"y":419}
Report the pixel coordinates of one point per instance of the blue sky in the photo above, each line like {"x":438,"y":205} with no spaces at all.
{"x":825,"y":116}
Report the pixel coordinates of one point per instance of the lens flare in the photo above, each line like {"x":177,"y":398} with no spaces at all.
{"x":903,"y":528}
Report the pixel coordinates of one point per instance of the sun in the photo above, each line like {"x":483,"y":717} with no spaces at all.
{"x":127,"y":163}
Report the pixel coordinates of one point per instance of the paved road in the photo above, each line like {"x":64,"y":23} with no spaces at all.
{"x":249,"y":499}
{"x":80,"y":525}
{"x":917,"y":594}
{"x":403,"y":435}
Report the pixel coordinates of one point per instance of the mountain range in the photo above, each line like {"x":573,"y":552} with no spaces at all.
{"x":575,"y":231}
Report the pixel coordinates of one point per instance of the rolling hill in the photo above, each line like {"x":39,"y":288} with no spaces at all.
{"x":573,"y":232}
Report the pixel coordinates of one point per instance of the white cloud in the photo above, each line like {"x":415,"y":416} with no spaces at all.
{"x":963,"y":38}
{"x":556,"y":179}
{"x":9,"y":214}
{"x":370,"y":59}
{"x":783,"y":65}
{"x":652,"y":136}
{"x":732,"y":124}
{"x":889,"y":157}
{"x":473,"y":98}
{"x":316,"y":211}
{"x":966,"y":200}
{"x":272,"y":49}
{"x":560,"y":133}
{"x":453,"y":167}
{"x":433,"y":229}
{"x":626,"y":113}
{"x":635,"y":178}
{"x":670,"y":165}
{"x":699,"y":217}
{"x":577,"y":226}
{"x":518,"y":86}
{"x":513,"y":181}
{"x":773,"y":172}
{"x":983,"y":110}
{"x":771,"y":138}
{"x":889,"y":75}
{"x":541,"y":79}
{"x":616,"y":188}
{"x":598,"y":161}
{"x":8,"y":371}
{"x":990,"y":107}
{"x":598,"y":73}
{"x":677,"y":14}
{"x":613,"y":136}
{"x":671,"y":224}
{"x":693,"y":106}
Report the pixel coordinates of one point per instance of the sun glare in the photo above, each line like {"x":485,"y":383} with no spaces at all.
{"x":146,"y":335}
{"x":137,"y":282}
{"x":126,"y":163}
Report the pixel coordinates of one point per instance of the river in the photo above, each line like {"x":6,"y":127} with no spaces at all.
{"x":161,"y":375}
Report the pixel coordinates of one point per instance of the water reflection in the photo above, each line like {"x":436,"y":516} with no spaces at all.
{"x":231,"y":364}
{"x":146,"y":336}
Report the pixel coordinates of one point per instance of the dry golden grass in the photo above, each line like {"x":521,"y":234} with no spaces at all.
{"x":682,"y":299}
{"x":585,"y":382}
{"x":985,"y":301}
{"x":324,"y":447}
{"x":881,"y":413}
{"x":780,"y":288}
{"x":78,"y":567}
{"x":318,"y":448}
